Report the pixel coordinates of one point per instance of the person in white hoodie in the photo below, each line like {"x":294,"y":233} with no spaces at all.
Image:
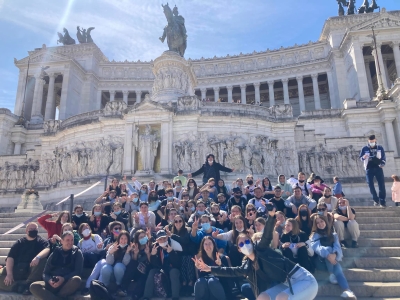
{"x":90,"y":245}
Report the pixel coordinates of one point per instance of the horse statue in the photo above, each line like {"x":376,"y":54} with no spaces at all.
{"x":83,"y":35}
{"x":351,"y":8}
{"x":175,"y":31}
{"x":65,"y":39}
{"x":372,"y":7}
{"x":366,"y":8}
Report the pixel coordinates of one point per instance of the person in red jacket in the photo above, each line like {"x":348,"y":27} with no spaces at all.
{"x":54,"y":227}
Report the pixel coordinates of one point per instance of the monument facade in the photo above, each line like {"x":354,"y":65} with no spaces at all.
{"x":308,"y":107}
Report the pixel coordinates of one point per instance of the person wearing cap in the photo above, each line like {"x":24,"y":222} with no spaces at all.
{"x":317,"y":188}
{"x":210,"y":169}
{"x":166,"y":255}
{"x":237,"y":199}
{"x":374,"y":158}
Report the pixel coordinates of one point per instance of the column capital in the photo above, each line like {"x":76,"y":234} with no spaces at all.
{"x":203,"y":90}
{"x":299,"y":78}
{"x":257,"y":84}
{"x":314,"y":76}
{"x":52,"y":75}
{"x":125,"y":92}
{"x":395,"y":44}
{"x":229,"y":87}
{"x":138,"y":91}
{"x":112,"y":92}
{"x":270,"y":82}
{"x":285,"y":80}
{"x":216,"y":89}
{"x":243,"y":85}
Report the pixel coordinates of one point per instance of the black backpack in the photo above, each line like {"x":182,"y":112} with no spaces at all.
{"x":98,"y":291}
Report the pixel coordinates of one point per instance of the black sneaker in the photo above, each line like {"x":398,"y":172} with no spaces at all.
{"x":354,"y":244}
{"x":343,"y":244}
{"x":85,"y":291}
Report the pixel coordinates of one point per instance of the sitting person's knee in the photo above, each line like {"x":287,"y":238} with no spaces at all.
{"x":263,"y":296}
{"x":282,"y":296}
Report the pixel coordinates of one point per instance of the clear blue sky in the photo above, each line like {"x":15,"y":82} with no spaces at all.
{"x":130,"y":29}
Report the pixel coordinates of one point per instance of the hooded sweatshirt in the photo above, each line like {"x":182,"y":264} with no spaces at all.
{"x":286,"y":187}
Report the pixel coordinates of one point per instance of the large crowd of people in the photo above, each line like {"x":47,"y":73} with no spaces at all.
{"x":184,"y":238}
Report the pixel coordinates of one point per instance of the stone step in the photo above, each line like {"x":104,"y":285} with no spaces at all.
{"x":14,"y":237}
{"x":358,"y":298}
{"x":372,"y":252}
{"x":377,"y":220}
{"x":381,"y":213}
{"x":377,"y":242}
{"x":362,"y":289}
{"x":371,"y":262}
{"x":380,"y":233}
{"x":368,"y":274}
{"x":21,"y":230}
{"x":76,"y":296}
{"x":380,"y":226}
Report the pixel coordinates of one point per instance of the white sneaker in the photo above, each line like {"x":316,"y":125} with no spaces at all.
{"x":332,"y":279}
{"x":348,"y":295}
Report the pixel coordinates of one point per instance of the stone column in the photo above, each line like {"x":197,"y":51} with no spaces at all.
{"x":271,"y":92}
{"x":317,"y":99}
{"x":300,"y":87}
{"x":391,"y":140}
{"x":216,"y":94}
{"x":203,"y":93}
{"x":359,"y":66}
{"x":17,"y":148}
{"x":125,"y":96}
{"x":369,"y":80}
{"x":138,"y":96}
{"x":64,"y":94}
{"x":396,"y":53}
{"x":112,"y":95}
{"x":285,"y":82}
{"x":164,"y":167}
{"x":20,"y":93}
{"x":129,"y":152}
{"x":382,"y":67}
{"x":36,"y":116}
{"x":389,"y":82}
{"x":98,"y":100}
{"x":229,"y":89}
{"x":50,"y":112}
{"x":243,"y":93}
{"x":332,"y":94}
{"x":257,"y":92}
{"x":379,"y":78}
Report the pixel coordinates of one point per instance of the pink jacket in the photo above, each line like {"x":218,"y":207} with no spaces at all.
{"x":396,"y":191}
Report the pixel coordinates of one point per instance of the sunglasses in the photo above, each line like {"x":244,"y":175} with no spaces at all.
{"x":178,"y":221}
{"x":185,"y":195}
{"x":251,"y":209}
{"x":321,"y":209}
{"x":117,"y":228}
{"x":246,"y":242}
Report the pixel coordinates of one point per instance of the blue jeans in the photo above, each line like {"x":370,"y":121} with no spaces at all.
{"x":304,"y":286}
{"x":337,"y":270}
{"x":380,"y":178}
{"x":96,"y":272}
{"x":247,"y":291}
{"x":208,"y":288}
{"x":108,"y":270}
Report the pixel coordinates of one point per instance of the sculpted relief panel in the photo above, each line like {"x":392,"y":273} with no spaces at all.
{"x":86,"y":159}
{"x":343,"y":162}
{"x":256,"y":154}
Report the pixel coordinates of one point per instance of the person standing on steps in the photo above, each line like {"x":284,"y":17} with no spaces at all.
{"x":374,"y":158}
{"x":210,"y":169}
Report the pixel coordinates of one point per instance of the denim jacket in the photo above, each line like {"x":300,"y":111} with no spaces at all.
{"x":324,"y":251}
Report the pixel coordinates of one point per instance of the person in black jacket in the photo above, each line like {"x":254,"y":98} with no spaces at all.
{"x":79,"y":217}
{"x":62,"y":271}
{"x":180,"y":233}
{"x":293,"y":244}
{"x":166,"y":256}
{"x":263,"y":265}
{"x":210,"y":169}
{"x":98,"y":221}
{"x":119,"y":214}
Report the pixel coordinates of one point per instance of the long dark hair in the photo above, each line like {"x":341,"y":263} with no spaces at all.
{"x":61,"y":215}
{"x":136,"y":238}
{"x":203,"y":254}
{"x":323,"y":232}
{"x":175,"y":230}
{"x":300,"y":220}
{"x":194,"y":182}
{"x":222,"y":189}
{"x":269,"y":188}
{"x":235,"y":232}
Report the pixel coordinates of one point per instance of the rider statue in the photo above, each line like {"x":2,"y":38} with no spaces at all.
{"x":175,"y":31}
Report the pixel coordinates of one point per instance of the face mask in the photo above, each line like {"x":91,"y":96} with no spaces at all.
{"x":122,"y":246}
{"x":301,"y":181}
{"x":170,"y":198}
{"x":181,"y":208}
{"x":135,"y":199}
{"x":210,"y":162}
{"x":372,"y":144}
{"x":191,"y":185}
{"x":86,"y":232}
{"x":116,"y":232}
{"x":143,"y":191}
{"x":97,"y":213}
{"x":200,"y":212}
{"x":80,"y":215}
{"x":117,"y":212}
{"x":303,"y":213}
{"x":178,"y":186}
{"x":327,"y":196}
{"x":239,"y":230}
{"x":143,"y":240}
{"x":193,"y":208}
{"x":321,"y":213}
{"x":163,"y":244}
{"x":283,"y":224}
{"x":205,"y":226}
{"x":247,"y":249}
{"x":250,"y":182}
{"x":343,"y":207}
{"x":216,"y":214}
{"x":33,"y":233}
{"x":262,"y":230}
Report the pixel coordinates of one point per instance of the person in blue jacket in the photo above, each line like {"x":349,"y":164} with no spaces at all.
{"x":374,"y":158}
{"x":206,"y":230}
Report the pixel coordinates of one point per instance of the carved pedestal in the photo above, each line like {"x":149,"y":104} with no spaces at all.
{"x":29,"y":203}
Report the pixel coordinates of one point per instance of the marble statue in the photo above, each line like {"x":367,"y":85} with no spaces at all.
{"x":83,"y":35}
{"x":175,"y":31}
{"x":147,"y":147}
{"x":65,"y":39}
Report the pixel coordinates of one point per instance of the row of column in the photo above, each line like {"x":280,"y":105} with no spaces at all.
{"x":124,"y":95}
{"x":285,"y":83}
{"x":37,"y":103}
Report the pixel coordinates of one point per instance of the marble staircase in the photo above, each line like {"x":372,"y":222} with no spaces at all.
{"x":373,"y":269}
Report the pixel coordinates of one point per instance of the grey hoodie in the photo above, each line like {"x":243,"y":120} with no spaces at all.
{"x":286,"y":187}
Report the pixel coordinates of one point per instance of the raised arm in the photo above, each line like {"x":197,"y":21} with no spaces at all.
{"x":267,"y":236}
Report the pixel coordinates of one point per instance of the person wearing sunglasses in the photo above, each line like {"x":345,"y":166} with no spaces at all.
{"x":263,"y":265}
{"x":251,"y":214}
{"x":322,"y":210}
